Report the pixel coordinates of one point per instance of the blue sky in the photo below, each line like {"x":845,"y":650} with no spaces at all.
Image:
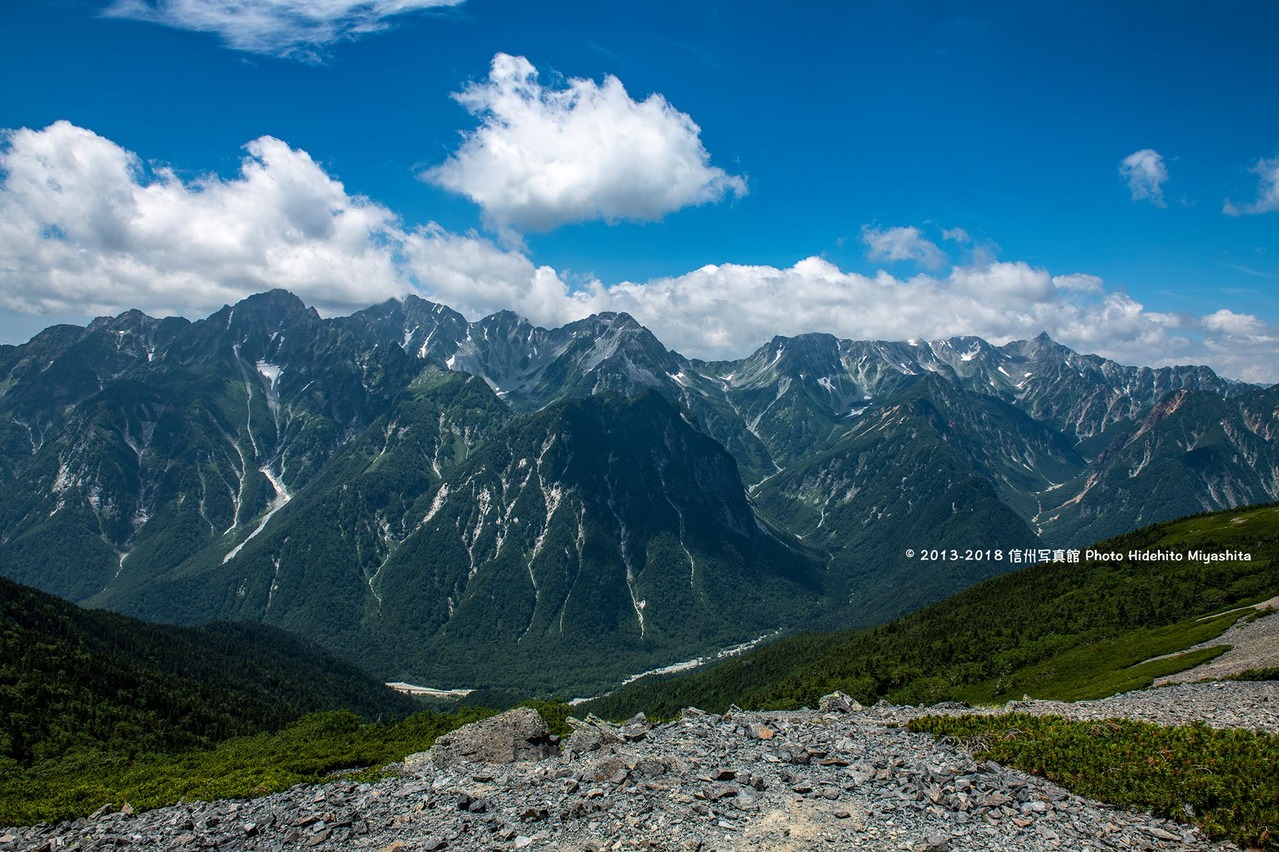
{"x":723,"y":171}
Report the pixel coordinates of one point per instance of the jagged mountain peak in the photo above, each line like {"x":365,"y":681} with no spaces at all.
{"x":423,"y":329}
{"x":273,"y":306}
{"x":130,"y":320}
{"x":253,"y":324}
{"x":965,"y":349}
{"x":530,"y":366}
{"x":806,"y":356}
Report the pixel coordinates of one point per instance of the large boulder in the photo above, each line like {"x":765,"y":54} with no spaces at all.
{"x":519,"y":734}
{"x":838,"y":702}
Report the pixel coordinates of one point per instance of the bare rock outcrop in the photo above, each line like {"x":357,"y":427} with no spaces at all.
{"x":516,"y":735}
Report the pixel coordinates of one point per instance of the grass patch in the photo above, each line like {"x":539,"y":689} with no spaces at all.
{"x":1224,"y":781}
{"x":318,"y":745}
{"x":1256,"y":674}
{"x":1110,"y":666}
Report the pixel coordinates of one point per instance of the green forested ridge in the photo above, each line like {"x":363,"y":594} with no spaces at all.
{"x":1057,"y":630}
{"x":75,"y":680}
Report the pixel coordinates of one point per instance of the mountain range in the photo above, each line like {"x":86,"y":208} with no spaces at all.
{"x":492,"y":503}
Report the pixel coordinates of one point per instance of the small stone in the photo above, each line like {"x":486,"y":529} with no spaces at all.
{"x":434,"y":842}
{"x":936,"y":842}
{"x":652,"y":768}
{"x":318,"y":838}
{"x":841,"y":814}
{"x":523,"y":841}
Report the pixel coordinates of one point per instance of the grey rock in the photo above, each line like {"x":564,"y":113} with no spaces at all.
{"x":519,"y":734}
{"x":417,"y":764}
{"x":838,"y":702}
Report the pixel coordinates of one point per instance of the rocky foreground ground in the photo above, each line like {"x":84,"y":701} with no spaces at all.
{"x":843,"y":777}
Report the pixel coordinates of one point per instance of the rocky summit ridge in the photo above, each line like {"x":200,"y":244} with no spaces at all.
{"x":843,"y":776}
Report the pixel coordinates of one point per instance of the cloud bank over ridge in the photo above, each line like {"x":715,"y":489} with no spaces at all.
{"x":85,"y":226}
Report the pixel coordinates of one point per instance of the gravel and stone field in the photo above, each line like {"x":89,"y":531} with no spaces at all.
{"x":843,"y":777}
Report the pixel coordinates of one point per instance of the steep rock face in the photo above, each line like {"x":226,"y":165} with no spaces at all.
{"x":916,"y":475}
{"x":601,"y":524}
{"x":155,"y":439}
{"x":1192,"y":452}
{"x":458,"y":542}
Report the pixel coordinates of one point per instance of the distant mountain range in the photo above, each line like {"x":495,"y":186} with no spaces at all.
{"x":496,"y":504}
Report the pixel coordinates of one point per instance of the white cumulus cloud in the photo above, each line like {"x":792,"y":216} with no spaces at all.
{"x":274,"y":27}
{"x":1267,"y":190}
{"x":543,"y":156}
{"x":889,"y":245}
{"x":1146,"y":174}
{"x":85,"y":226}
{"x":1226,"y":321}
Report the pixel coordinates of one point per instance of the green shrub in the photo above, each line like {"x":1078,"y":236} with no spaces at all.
{"x":1224,"y":781}
{"x":317,"y":745}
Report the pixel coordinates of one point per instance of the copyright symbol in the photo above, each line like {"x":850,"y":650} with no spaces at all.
{"x":910,"y":554}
